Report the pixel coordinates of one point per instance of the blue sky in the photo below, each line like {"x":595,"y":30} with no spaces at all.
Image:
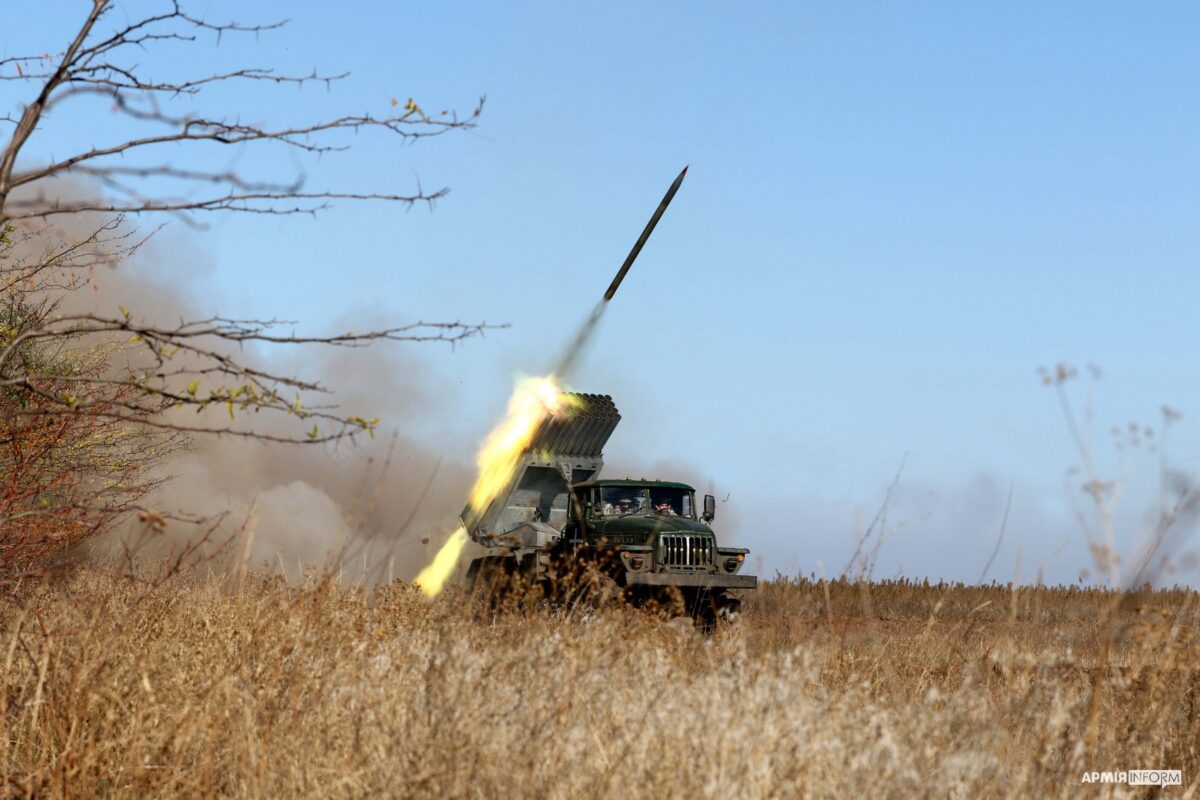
{"x":892,"y":217}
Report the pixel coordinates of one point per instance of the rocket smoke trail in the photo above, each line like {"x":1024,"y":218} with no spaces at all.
{"x":566,"y":363}
{"x":533,"y":400}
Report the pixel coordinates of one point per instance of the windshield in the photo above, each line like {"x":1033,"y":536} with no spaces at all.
{"x":617,"y":501}
{"x":672,"y":502}
{"x":621,"y":500}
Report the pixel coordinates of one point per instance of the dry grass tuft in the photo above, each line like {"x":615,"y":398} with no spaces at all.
{"x":120,"y":687}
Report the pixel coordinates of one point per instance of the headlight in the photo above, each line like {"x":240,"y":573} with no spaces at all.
{"x":635,"y":561}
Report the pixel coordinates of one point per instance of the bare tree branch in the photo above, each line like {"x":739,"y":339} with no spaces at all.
{"x":89,"y":401}
{"x":92,"y":66}
{"x":32,"y":114}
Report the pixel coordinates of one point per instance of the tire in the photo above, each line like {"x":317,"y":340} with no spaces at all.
{"x":730,"y":610}
{"x":712,"y":609}
{"x":495,"y":582}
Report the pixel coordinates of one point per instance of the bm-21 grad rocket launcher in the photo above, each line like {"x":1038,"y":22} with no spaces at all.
{"x":561,"y":529}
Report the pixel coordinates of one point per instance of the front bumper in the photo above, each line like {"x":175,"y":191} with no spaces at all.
{"x":706,"y":580}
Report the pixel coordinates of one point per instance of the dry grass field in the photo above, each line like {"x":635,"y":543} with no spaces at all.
{"x":122,"y":687}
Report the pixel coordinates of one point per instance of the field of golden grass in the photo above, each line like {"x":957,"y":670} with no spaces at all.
{"x":128,"y":687}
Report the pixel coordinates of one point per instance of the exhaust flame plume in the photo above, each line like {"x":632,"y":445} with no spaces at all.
{"x":531,"y":402}
{"x":433,"y":577}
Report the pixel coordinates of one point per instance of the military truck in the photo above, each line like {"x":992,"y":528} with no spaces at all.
{"x":561,"y":529}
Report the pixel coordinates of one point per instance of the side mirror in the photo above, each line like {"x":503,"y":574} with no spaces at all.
{"x":710,"y":508}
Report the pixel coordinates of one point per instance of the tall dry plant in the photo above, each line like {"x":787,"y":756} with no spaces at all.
{"x":125,"y":686}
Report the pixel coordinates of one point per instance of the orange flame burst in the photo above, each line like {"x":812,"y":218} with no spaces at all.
{"x":532,"y":401}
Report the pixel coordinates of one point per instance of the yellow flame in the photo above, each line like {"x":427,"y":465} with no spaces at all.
{"x":531,"y":402}
{"x":433,"y":577}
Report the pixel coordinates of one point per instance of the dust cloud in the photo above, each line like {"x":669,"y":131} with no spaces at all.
{"x":366,"y":509}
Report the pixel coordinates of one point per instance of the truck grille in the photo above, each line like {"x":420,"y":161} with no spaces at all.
{"x":682,"y":550}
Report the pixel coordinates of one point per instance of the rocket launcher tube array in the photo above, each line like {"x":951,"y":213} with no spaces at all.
{"x":581,"y":432}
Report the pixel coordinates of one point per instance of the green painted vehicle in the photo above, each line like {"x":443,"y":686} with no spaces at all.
{"x":562,"y":530}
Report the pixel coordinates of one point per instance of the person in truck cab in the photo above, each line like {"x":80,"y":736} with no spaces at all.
{"x":664,"y":507}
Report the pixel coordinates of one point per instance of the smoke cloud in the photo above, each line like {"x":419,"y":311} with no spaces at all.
{"x":366,"y":507}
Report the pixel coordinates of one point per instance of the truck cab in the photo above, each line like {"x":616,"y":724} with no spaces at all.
{"x":662,"y":536}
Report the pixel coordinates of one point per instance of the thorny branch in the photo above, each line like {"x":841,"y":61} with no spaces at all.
{"x":101,"y":66}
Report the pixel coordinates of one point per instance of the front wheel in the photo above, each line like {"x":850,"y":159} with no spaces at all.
{"x":730,"y":611}
{"x":711,"y":608}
